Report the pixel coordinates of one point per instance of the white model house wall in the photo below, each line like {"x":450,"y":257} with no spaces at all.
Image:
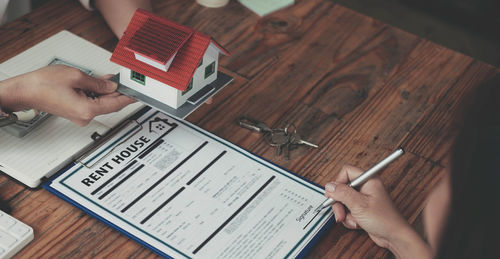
{"x":170,"y":95}
{"x":152,"y":88}
{"x":199,"y":80}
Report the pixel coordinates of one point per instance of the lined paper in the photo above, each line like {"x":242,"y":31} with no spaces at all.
{"x":45,"y":150}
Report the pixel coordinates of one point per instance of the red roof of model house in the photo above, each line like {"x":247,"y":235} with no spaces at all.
{"x":160,"y":40}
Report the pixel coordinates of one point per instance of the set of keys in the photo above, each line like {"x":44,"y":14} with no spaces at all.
{"x":283,"y":139}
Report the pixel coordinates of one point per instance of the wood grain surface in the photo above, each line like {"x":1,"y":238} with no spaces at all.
{"x":355,"y":86}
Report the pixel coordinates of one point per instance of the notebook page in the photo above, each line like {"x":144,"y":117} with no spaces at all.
{"x":66,"y":46}
{"x":45,"y":150}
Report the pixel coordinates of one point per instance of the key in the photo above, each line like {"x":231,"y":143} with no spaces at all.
{"x":252,"y":124}
{"x":296,"y":139}
{"x":287,"y":151}
{"x":278,"y":139}
{"x":290,"y":128}
{"x":278,"y":150}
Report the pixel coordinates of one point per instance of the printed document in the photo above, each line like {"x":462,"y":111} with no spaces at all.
{"x":189,"y":194}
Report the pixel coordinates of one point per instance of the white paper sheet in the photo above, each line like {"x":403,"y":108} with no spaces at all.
{"x":265,"y":7}
{"x":190,"y":194}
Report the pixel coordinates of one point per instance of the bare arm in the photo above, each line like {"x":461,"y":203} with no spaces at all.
{"x":118,"y":13}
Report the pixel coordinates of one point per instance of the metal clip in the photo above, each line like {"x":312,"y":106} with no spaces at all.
{"x":103,"y":140}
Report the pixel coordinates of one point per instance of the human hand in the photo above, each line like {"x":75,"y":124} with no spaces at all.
{"x":372,"y":210}
{"x":61,"y":90}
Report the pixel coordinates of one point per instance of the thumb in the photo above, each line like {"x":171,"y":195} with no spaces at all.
{"x":351,"y":198}
{"x":110,"y":103}
{"x":97,"y":85}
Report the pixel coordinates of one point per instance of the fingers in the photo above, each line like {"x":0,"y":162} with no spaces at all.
{"x":96,"y":85}
{"x":113,"y":94}
{"x":342,"y":216}
{"x":374,"y":186}
{"x":339,"y":212}
{"x":346,"y":195}
{"x":107,"y":76}
{"x":62,"y":91}
{"x":111,"y":103}
{"x":348,"y":173}
{"x":93,"y":107}
{"x":350,"y":222}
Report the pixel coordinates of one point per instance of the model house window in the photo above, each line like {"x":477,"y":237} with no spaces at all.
{"x":190,"y":86}
{"x":209,"y":70}
{"x":138,"y":77}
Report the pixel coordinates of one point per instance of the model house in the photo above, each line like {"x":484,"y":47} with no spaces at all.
{"x":164,"y":60}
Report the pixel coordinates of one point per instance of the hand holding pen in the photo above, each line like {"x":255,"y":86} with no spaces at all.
{"x":362,"y":178}
{"x":370,"y":208}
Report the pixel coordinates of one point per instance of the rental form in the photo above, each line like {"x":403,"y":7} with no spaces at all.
{"x":186,"y":193}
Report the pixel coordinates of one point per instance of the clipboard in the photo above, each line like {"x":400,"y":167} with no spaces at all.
{"x":53,"y":185}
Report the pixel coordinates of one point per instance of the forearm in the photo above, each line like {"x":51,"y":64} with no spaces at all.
{"x":118,"y":13}
{"x":408,"y":244}
{"x":11,"y":94}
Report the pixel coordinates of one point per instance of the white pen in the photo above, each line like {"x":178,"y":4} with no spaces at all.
{"x":365,"y":176}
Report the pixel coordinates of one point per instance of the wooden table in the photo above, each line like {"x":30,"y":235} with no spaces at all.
{"x":356,"y":86}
